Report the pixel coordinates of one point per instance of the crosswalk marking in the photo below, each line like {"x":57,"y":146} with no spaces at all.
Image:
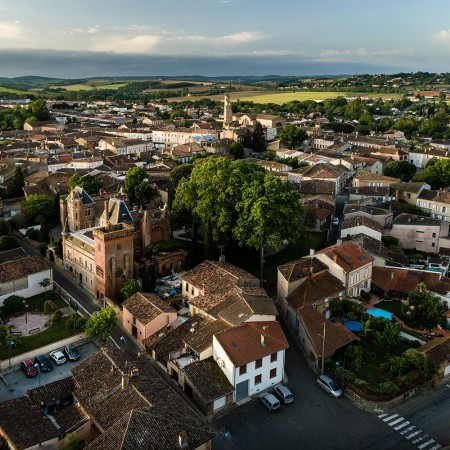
{"x":396,"y":421}
{"x":421,"y":438}
{"x":402,"y":425}
{"x":387,"y":419}
{"x":413,"y":434}
{"x":425,"y":444}
{"x":410,"y":432}
{"x":407,"y":430}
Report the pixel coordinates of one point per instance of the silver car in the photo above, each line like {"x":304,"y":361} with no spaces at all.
{"x":58,"y":357}
{"x":328,"y":385}
{"x":284,"y":394}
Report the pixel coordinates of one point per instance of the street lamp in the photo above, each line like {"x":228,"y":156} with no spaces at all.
{"x":323,"y":346}
{"x":10,"y":344}
{"x":124,"y":340}
{"x":38,"y":367}
{"x":26,"y":312}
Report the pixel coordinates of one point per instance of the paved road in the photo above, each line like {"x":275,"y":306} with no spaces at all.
{"x":335,"y":231}
{"x":18,"y":383}
{"x":317,"y":421}
{"x":82,"y":296}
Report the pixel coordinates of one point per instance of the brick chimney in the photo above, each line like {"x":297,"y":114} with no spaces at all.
{"x":263,"y":340}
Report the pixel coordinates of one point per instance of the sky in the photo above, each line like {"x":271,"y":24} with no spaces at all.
{"x":91,"y":38}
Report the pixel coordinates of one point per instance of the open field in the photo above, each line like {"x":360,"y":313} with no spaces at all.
{"x":279,"y":98}
{"x":89,"y":86}
{"x":12,"y":91}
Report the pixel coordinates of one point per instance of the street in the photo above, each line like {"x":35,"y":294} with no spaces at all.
{"x":335,"y":230}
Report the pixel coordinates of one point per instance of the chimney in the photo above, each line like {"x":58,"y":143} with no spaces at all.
{"x":125,"y":380}
{"x":339,"y":242}
{"x":263,"y":340}
{"x":360,"y":247}
{"x":392,"y":275}
{"x":335,"y":256}
{"x":311,"y":252}
{"x":222,"y":258}
{"x":182,"y":439}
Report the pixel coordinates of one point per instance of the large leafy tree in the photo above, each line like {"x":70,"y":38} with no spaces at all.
{"x":436,"y":174}
{"x":400,"y":169}
{"x":423,"y":306}
{"x":38,"y":110}
{"x":137,"y":186}
{"x":130,"y":288}
{"x":89,"y":183}
{"x":293,"y":136}
{"x":15,"y":189}
{"x":237,"y":150}
{"x":180,"y":172}
{"x":39,"y":205}
{"x":259,"y":138}
{"x":101,"y":323}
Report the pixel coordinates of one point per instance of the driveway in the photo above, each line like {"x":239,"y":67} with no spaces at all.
{"x":18,"y":383}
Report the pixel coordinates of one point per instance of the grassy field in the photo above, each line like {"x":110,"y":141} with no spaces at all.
{"x":13,"y":91}
{"x":280,"y":98}
{"x":91,"y":86}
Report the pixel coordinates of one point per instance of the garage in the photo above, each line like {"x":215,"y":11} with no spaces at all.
{"x":220,"y":402}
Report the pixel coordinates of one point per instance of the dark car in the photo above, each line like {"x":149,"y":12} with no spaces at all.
{"x":44,"y":363}
{"x":29,"y":368}
{"x":71,"y":352}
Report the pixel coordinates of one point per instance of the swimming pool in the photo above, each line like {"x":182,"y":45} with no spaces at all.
{"x":378,"y":312}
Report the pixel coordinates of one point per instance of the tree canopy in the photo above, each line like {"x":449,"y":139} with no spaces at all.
{"x":423,"y":306}
{"x":293,"y":136}
{"x":101,"y":323}
{"x":39,"y":205}
{"x":437,"y":174}
{"x":400,"y":169}
{"x":130,"y":288}
{"x":89,"y":183}
{"x":137,"y":186}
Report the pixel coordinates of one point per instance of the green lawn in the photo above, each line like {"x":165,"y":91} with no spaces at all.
{"x":54,"y":333}
{"x":13,"y":91}
{"x":89,"y":86}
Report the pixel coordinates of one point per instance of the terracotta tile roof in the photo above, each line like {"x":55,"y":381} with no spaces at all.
{"x":12,"y":255}
{"x":347,"y":255}
{"x":360,"y":221}
{"x":427,"y":194}
{"x":146,"y":307}
{"x":368,"y":209}
{"x":413,"y":187}
{"x":209,"y":380}
{"x":413,"y":220}
{"x":22,"y":267}
{"x":144,"y":429}
{"x":404,"y":280}
{"x":172,"y":339}
{"x":318,"y":171}
{"x":202,"y":338}
{"x":437,"y":350}
{"x":336,"y":335}
{"x":243,"y":343}
{"x":315,"y":290}
{"x":301,"y":268}
{"x":25,"y":424}
{"x":317,"y":187}
{"x":215,"y":276}
{"x":369,"y":176}
{"x":69,"y":417}
{"x":375,"y":191}
{"x":51,"y":392}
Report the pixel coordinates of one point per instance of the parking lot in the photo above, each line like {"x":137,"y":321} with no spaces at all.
{"x":18,"y":383}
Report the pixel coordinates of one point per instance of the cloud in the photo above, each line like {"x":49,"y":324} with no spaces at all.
{"x":90,"y":30}
{"x":443,"y":35}
{"x":127,"y":44}
{"x":10,"y":29}
{"x":240,"y":38}
{"x":364,"y":52}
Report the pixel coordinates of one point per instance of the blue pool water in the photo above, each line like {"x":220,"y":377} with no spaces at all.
{"x":378,"y":312}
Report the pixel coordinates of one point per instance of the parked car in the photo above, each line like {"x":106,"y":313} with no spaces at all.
{"x":328,"y":385}
{"x":58,"y":357}
{"x":270,"y":402}
{"x":336,"y":221}
{"x":29,"y":368}
{"x":284,"y":394}
{"x":44,"y":363}
{"x":71,"y":352}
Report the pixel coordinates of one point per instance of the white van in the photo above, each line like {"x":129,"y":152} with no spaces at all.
{"x":270,"y":402}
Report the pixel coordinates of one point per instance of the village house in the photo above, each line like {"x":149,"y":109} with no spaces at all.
{"x":361,"y":225}
{"x":436,"y":203}
{"x":383,"y":217}
{"x":323,"y":172}
{"x":364,"y":178}
{"x":409,"y":192}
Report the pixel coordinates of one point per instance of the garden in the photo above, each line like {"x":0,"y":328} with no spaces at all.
{"x":47,"y":307}
{"x":382,"y":362}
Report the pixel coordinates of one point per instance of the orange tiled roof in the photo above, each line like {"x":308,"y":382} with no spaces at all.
{"x":347,"y":255}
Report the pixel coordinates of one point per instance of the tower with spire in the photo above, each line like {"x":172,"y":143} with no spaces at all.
{"x":227,"y":111}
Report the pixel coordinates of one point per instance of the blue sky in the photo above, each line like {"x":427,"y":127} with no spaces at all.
{"x":222,"y":37}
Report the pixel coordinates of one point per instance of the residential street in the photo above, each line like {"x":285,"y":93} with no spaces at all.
{"x":335,"y":230}
{"x":317,"y":421}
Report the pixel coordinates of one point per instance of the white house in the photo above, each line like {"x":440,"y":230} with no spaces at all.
{"x":22,"y":276}
{"x":251,"y":356}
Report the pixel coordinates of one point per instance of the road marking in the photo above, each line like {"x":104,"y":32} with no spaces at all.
{"x":420,"y":438}
{"x":413,"y":434}
{"x":390,"y":418}
{"x":396,"y":421}
{"x":402,"y":425}
{"x":426,"y":443}
{"x":435,"y":447}
{"x":407,"y":430}
{"x":382,"y":415}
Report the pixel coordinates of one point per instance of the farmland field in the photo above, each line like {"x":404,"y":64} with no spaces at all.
{"x":13,"y":91}
{"x":90,"y":86}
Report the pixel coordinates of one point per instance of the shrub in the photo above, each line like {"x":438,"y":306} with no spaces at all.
{"x":7,"y":243}
{"x":359,"y":382}
{"x":13,"y":304}
{"x":386,"y":388}
{"x":396,"y":249}
{"x":32,"y":234}
{"x":408,"y":378}
{"x":57,"y":315}
{"x":75,"y":322}
{"x":48,"y":308}
{"x":43,"y":248}
{"x":390,"y":240}
{"x":52,"y":295}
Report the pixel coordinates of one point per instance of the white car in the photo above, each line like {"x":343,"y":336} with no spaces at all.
{"x":58,"y":357}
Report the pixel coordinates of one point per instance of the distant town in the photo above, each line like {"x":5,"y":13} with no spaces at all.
{"x":216,"y":263}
